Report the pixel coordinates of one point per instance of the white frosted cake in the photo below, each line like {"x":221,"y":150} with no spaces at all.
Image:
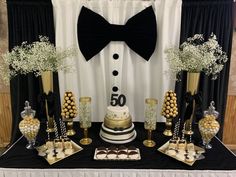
{"x":117,"y":127}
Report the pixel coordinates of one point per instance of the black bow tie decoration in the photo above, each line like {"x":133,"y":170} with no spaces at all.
{"x":189,"y":100}
{"x":139,"y":33}
{"x":50,"y":98}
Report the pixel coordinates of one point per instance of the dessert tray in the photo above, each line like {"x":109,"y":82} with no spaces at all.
{"x":121,"y":153}
{"x":185,"y":157}
{"x":54,"y":155}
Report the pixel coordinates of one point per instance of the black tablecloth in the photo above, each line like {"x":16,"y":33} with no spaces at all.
{"x":218,"y":158}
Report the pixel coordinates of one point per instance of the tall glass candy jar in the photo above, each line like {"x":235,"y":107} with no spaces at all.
{"x":208,"y":125}
{"x":85,"y":118}
{"x":29,"y":126}
{"x":150,"y":120}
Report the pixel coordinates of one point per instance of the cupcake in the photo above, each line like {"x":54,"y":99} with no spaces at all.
{"x":101,"y":155}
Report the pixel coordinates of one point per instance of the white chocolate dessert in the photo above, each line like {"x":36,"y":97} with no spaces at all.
{"x":51,"y":157}
{"x":190,"y":158}
{"x":112,"y":155}
{"x":172,"y":144}
{"x":56,"y":149}
{"x":171,"y":152}
{"x":117,"y":153}
{"x":50,"y":144}
{"x":182,"y":145}
{"x":180,"y":156}
{"x":190,"y":149}
{"x":69,"y":151}
{"x":122,"y":154}
{"x":60,"y":155}
{"x":42,"y":153}
{"x":68,"y":145}
{"x":101,"y":155}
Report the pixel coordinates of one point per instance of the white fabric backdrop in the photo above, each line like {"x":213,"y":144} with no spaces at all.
{"x":137,"y":78}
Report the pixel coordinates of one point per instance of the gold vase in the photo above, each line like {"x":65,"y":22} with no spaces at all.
{"x":192,"y":87}
{"x":47,"y":80}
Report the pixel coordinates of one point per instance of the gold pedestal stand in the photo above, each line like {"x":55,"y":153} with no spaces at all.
{"x":70,"y":131}
{"x":85,"y":140}
{"x":168,"y":131}
{"x":149,"y":142}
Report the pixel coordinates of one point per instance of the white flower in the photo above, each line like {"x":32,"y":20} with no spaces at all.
{"x":34,"y":58}
{"x":195,"y":55}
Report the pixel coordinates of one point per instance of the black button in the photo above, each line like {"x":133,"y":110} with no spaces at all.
{"x":115,"y":56}
{"x":114,"y":89}
{"x":115,"y":73}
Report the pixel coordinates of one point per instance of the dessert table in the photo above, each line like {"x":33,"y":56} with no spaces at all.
{"x":20,"y":162}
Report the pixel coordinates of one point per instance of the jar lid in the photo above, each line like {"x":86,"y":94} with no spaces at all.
{"x":28,"y":112}
{"x":211,"y":110}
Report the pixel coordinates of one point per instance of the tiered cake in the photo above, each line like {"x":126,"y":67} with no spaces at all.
{"x":117,"y":127}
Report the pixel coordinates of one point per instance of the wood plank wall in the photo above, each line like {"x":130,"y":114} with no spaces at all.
{"x":5,"y":119}
{"x":229,"y":135}
{"x":5,"y":105}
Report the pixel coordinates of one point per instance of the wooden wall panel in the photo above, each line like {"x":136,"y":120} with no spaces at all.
{"x":5,"y":119}
{"x":229,"y":135}
{"x":232,"y":73}
{"x":5,"y":105}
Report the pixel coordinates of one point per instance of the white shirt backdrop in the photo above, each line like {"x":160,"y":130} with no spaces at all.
{"x":137,"y":78}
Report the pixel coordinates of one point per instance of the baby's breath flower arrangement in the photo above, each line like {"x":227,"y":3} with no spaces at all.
{"x":34,"y":58}
{"x":196,"y":55}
